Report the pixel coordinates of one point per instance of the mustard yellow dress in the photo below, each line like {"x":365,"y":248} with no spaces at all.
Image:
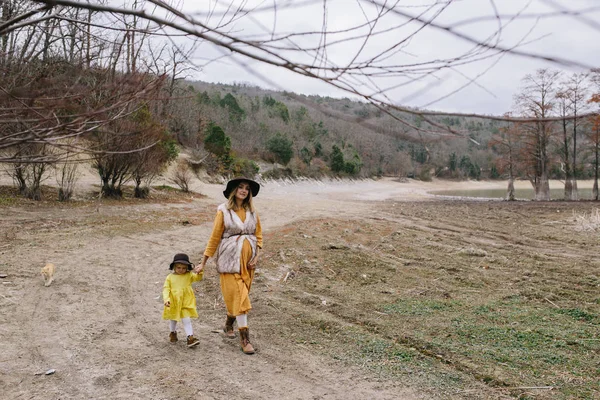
{"x":178,"y":290}
{"x":235,"y":287}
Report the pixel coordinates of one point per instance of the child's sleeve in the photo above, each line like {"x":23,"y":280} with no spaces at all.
{"x":166,"y":293}
{"x":197,"y":277}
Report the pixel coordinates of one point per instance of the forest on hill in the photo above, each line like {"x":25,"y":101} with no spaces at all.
{"x":315,"y":135}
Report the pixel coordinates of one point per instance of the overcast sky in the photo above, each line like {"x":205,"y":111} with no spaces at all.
{"x":497,"y":77}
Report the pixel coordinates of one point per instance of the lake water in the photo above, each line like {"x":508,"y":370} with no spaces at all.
{"x":520,"y":194}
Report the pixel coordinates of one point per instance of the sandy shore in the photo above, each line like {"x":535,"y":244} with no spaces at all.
{"x":381,"y":189}
{"x":366,"y":189}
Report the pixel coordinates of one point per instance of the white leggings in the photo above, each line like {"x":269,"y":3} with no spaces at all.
{"x":187,"y":325}
{"x":242,"y":320}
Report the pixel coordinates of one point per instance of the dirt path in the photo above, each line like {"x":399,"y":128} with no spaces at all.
{"x":99,"y":325}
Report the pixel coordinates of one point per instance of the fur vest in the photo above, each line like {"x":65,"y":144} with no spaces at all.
{"x":234,"y":234}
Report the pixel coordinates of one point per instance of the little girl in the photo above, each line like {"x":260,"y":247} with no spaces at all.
{"x":179,"y":298}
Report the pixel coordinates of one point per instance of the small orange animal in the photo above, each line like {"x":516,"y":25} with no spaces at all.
{"x":48,"y":273}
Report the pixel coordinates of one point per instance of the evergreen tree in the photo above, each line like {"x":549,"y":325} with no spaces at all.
{"x":216,"y":142}
{"x":318,"y":149}
{"x":236,"y":113}
{"x":306,"y":155}
{"x":336,"y":159}
{"x":452,"y":162}
{"x":281,"y":146}
{"x":494,"y":174}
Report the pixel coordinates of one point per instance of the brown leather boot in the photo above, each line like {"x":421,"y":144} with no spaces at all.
{"x":245,"y":341}
{"x":228,"y":328}
{"x":192,"y":341}
{"x":173,"y":337}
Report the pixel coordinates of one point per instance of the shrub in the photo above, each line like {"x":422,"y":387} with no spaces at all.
{"x":236,"y":113}
{"x":425,"y":174}
{"x":494,"y":174}
{"x":281,"y":147}
{"x":278,"y":173}
{"x":215,"y":141}
{"x":66,"y":176}
{"x":306,"y":155}
{"x":336,"y":159}
{"x":244,"y":167}
{"x":182,"y":176}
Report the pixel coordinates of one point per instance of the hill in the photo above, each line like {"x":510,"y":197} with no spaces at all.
{"x":372,"y":141}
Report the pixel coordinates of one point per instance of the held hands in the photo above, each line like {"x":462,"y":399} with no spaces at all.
{"x":199,"y":268}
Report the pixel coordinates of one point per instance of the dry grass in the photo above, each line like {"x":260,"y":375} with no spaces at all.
{"x":474,"y":294}
{"x":587,"y":222}
{"x":465,"y":300}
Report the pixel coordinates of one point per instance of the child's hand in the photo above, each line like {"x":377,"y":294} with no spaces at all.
{"x":199,"y":268}
{"x":167,"y":303}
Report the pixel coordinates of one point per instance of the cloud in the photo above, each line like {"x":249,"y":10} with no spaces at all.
{"x":475,"y":80}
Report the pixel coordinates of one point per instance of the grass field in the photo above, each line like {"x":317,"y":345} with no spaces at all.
{"x":506,"y":293}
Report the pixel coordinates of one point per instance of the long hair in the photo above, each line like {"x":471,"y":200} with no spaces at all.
{"x":246,"y":203}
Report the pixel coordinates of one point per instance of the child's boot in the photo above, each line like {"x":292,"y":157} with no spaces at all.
{"x":192,"y":341}
{"x":173,"y":337}
{"x":228,"y":329}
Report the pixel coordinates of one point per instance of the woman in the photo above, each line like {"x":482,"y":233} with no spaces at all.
{"x":236,"y":239}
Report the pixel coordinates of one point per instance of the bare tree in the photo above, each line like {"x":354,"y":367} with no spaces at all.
{"x":52,"y":86}
{"x":571,"y":102}
{"x":182,"y":176}
{"x":537,"y":101}
{"x":28,"y":176}
{"x":306,"y":52}
{"x":147,"y":164}
{"x":594,"y":138}
{"x":593,"y":132}
{"x":66,"y":177}
{"x":507,"y":144}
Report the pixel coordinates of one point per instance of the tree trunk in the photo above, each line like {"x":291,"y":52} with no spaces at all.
{"x":510,"y":191}
{"x":140,"y":192}
{"x":19,"y":178}
{"x":542,"y":188}
{"x":571,"y":189}
{"x":575,"y":195}
{"x":34,"y":193}
{"x":595,"y":190}
{"x":575,"y":191}
{"x":88,"y":42}
{"x":569,"y":175}
{"x":6,"y":15}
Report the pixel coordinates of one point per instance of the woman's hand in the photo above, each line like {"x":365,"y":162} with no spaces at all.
{"x":200,"y":266}
{"x":252,"y":263}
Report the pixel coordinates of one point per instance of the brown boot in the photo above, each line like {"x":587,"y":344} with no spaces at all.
{"x":192,"y":341}
{"x":245,"y":341}
{"x":228,"y":328}
{"x":173,"y":337}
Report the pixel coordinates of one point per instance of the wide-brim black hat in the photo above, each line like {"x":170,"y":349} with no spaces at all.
{"x":181,"y":258}
{"x":232,"y":184}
